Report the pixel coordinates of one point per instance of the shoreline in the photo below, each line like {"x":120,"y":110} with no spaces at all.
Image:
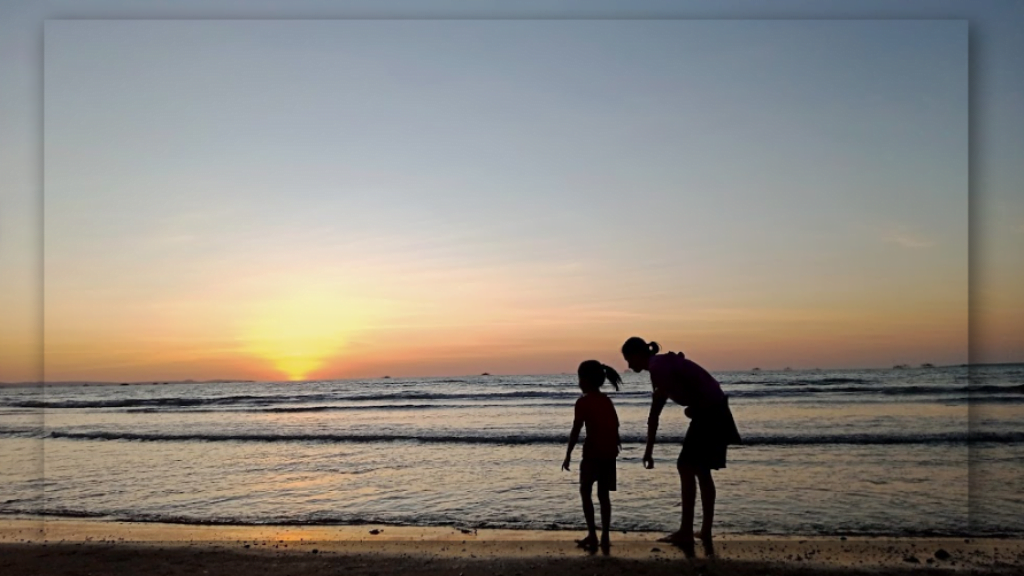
{"x":347,"y":530}
{"x":108,"y":546}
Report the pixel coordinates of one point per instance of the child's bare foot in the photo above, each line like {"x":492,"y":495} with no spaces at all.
{"x":589,"y":543}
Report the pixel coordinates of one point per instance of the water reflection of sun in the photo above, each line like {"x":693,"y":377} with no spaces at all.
{"x":298,"y":333}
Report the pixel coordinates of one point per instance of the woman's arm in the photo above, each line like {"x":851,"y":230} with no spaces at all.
{"x":658,"y":400}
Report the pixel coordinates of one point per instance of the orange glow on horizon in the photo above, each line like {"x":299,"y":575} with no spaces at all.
{"x":327,"y":334}
{"x":300,"y":324}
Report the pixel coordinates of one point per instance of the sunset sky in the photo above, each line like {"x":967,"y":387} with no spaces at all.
{"x":298,"y":199}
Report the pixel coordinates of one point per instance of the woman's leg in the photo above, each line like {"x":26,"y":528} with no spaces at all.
{"x":684,"y":537}
{"x":687,"y":479}
{"x":707,"y":500}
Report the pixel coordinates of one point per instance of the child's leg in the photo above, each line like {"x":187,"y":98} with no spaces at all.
{"x":604,"y":498}
{"x":588,"y":509}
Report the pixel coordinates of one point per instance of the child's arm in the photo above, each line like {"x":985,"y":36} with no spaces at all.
{"x":574,"y":437}
{"x":618,"y":436}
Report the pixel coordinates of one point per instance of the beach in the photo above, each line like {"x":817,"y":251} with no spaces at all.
{"x":70,"y":546}
{"x":841,"y":472}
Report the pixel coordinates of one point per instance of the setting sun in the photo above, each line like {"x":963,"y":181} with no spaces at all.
{"x":299,"y":332}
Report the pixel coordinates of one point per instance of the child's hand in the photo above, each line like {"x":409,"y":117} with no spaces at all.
{"x":565,"y":465}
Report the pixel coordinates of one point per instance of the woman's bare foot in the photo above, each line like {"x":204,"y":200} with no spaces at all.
{"x":709,"y":545}
{"x":682,"y":539}
{"x":589,"y":543}
{"x":606,"y":544}
{"x":677,"y":536}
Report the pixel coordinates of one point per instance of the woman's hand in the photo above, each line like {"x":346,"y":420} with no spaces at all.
{"x":648,"y":460}
{"x":565,"y":464}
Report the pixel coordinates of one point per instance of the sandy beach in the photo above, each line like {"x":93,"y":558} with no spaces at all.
{"x":80,"y":547}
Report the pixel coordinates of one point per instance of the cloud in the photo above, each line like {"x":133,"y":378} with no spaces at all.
{"x":902,"y":237}
{"x":176,"y":239}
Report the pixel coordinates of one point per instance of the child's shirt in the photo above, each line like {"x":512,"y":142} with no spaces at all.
{"x":597,"y":412}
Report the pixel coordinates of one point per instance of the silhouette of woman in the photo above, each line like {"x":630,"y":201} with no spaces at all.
{"x":712,"y":429}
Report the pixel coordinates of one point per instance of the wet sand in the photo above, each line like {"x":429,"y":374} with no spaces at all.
{"x":81,"y":547}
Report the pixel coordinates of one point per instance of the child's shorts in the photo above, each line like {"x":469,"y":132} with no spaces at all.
{"x":600,"y":470}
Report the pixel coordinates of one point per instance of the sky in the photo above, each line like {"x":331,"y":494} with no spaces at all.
{"x":321,"y":199}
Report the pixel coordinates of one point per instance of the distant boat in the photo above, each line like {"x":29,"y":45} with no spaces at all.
{"x":900,"y":367}
{"x":787,"y":368}
{"x":756,"y":370}
{"x":387,"y":377}
{"x":927,"y":365}
{"x":486,"y":374}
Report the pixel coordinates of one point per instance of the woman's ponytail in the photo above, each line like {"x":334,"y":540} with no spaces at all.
{"x":637,"y":346}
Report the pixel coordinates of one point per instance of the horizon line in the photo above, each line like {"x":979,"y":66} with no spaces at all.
{"x":387,"y":377}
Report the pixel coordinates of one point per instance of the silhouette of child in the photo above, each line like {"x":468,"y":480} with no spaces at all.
{"x":600,"y":449}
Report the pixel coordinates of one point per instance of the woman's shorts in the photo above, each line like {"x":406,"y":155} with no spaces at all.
{"x":600,"y":470}
{"x":711,"y":432}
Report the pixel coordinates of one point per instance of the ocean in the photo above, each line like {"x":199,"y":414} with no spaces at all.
{"x":909,"y":451}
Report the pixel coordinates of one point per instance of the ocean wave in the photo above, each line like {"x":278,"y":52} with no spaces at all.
{"x":800,"y":382}
{"x":339,"y":408}
{"x":339,"y":397}
{"x":995,"y":389}
{"x":137,"y":402}
{"x":60,"y":512}
{"x":868,"y":391}
{"x":241,"y":401}
{"x":21,"y":432}
{"x":755,"y":440}
{"x":182,"y":402}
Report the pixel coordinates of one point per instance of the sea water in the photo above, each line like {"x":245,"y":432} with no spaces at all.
{"x":913,"y":451}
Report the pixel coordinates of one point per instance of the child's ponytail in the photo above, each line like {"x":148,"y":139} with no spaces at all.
{"x":612,"y":376}
{"x":595,"y":373}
